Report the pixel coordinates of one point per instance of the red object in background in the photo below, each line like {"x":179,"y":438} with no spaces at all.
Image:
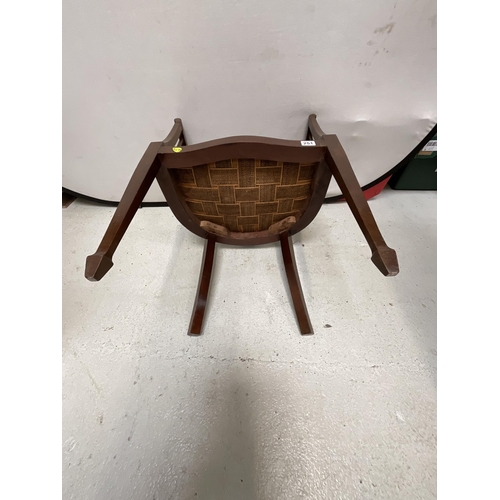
{"x":374,"y":190}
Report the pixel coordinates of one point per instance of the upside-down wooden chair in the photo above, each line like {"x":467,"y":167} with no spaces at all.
{"x":244,"y":191}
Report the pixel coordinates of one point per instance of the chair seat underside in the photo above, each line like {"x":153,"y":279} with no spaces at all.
{"x":245,"y":195}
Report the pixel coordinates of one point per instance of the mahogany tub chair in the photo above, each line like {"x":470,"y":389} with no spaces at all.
{"x":244,"y":190}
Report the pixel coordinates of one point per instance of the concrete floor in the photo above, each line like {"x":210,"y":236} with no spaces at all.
{"x":251,"y":410}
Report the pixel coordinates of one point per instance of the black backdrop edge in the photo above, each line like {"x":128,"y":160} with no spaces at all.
{"x":332,"y":199}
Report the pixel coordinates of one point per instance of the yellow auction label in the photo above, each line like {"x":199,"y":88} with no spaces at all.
{"x":176,"y":150}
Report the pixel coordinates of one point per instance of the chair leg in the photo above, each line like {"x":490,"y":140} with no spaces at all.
{"x":200,"y":303}
{"x":99,"y":263}
{"x":383,"y":257}
{"x":294,"y":283}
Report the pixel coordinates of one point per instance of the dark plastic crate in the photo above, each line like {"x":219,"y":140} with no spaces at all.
{"x":419,"y":174}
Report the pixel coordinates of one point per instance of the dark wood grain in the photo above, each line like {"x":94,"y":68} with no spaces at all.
{"x":200,"y":303}
{"x":175,"y":136}
{"x":295,"y":286}
{"x":67,"y":200}
{"x":244,"y":146}
{"x":314,"y":131}
{"x":384,"y":258}
{"x":319,"y":188}
{"x":237,"y":192}
{"x":98,"y":264}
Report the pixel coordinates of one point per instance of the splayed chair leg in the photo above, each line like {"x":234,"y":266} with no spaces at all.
{"x":200,"y":303}
{"x":384,"y":258}
{"x":99,"y":263}
{"x":294,"y":283}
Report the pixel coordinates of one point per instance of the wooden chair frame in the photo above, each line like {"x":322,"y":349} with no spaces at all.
{"x":161,"y":158}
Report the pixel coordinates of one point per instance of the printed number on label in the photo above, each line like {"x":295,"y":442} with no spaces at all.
{"x":431,"y":146}
{"x":307,"y":143}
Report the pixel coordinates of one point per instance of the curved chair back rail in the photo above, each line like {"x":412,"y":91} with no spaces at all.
{"x":244,"y":190}
{"x":243,"y":146}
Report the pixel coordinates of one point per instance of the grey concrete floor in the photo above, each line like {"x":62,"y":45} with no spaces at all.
{"x":251,"y":410}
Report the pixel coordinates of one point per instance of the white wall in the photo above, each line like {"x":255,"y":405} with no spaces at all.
{"x":366,"y":68}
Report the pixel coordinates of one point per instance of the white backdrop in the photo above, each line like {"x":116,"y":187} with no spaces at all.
{"x":366,"y":68}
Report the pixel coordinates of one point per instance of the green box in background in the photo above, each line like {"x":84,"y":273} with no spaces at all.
{"x":421,"y":172}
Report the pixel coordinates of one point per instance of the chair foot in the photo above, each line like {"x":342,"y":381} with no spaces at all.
{"x":386,"y":260}
{"x":200,"y":303}
{"x":96,"y":266}
{"x":295,"y":286}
